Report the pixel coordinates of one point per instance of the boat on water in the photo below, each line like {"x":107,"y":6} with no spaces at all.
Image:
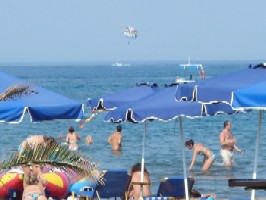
{"x":189,"y":72}
{"x":120,"y":64}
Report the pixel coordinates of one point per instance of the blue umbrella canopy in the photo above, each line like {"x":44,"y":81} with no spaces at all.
{"x":252,"y":97}
{"x":220,"y":88}
{"x":40,"y":103}
{"x":160,"y":105}
{"x":123,"y":97}
{"x":163,"y":106}
{"x":243,"y":90}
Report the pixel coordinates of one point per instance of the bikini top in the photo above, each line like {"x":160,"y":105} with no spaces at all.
{"x":204,"y":149}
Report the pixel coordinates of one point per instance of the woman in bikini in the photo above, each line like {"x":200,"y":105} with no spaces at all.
{"x":72,"y":138}
{"x":209,"y":156}
{"x":33,"y":183}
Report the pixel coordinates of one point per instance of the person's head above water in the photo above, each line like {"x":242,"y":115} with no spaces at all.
{"x":119,"y":128}
{"x":71,"y":129}
{"x":189,"y":144}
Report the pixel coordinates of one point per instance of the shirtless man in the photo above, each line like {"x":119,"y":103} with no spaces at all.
{"x":116,"y":139}
{"x":135,"y":186}
{"x":72,"y":138}
{"x":227,"y":143}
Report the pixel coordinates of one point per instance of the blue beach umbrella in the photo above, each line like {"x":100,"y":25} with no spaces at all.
{"x":242,"y":90}
{"x":123,"y":97}
{"x":160,"y":105}
{"x":220,"y":88}
{"x":253,"y":97}
{"x":163,"y":106}
{"x":41,"y":104}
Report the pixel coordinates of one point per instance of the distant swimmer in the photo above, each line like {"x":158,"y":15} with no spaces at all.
{"x":72,"y":138}
{"x":115,"y":139}
{"x":209,"y":156}
{"x":227,"y":142}
{"x":88,"y":139}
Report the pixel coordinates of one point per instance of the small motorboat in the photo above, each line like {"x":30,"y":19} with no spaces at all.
{"x":120,"y":64}
{"x":190,"y":72}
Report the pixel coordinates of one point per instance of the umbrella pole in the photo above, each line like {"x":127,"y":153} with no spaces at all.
{"x":143,"y":155}
{"x":256,"y":153}
{"x":183,"y":157}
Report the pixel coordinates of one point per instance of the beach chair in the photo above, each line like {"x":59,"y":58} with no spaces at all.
{"x":116,"y":185}
{"x":174,"y":187}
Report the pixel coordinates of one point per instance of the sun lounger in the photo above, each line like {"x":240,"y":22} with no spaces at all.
{"x":116,"y":184}
{"x":174,"y":187}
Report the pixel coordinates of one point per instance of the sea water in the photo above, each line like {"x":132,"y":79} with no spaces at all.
{"x":163,"y":156}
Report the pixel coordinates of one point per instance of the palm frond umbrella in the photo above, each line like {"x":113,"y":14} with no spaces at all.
{"x":56,"y":156}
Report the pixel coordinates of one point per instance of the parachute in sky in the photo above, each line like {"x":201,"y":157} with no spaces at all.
{"x":130,"y":33}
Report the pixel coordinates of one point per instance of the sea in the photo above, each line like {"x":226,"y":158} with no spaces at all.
{"x":163,"y":157}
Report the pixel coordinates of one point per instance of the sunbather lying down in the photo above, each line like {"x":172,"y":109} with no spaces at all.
{"x":195,"y":193}
{"x":33,"y":183}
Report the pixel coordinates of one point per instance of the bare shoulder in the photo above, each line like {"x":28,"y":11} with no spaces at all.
{"x":222,"y":133}
{"x":198,"y":147}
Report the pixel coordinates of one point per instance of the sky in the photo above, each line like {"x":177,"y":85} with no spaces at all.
{"x":80,"y":31}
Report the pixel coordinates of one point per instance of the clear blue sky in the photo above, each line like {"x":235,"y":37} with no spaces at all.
{"x":85,"y":30}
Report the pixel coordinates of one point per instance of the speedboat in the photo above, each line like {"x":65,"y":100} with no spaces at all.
{"x":120,"y":64}
{"x":190,"y":72}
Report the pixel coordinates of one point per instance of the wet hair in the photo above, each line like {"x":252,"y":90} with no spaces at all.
{"x":226,"y":123}
{"x":119,"y":128}
{"x":137,"y":168}
{"x":189,"y":142}
{"x":71,"y":129}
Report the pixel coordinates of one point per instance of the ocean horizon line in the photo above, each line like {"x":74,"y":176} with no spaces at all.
{"x":88,"y":63}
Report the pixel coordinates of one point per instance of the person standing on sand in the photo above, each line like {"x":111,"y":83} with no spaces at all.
{"x":115,"y":139}
{"x":227,"y":143}
{"x":72,"y":138}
